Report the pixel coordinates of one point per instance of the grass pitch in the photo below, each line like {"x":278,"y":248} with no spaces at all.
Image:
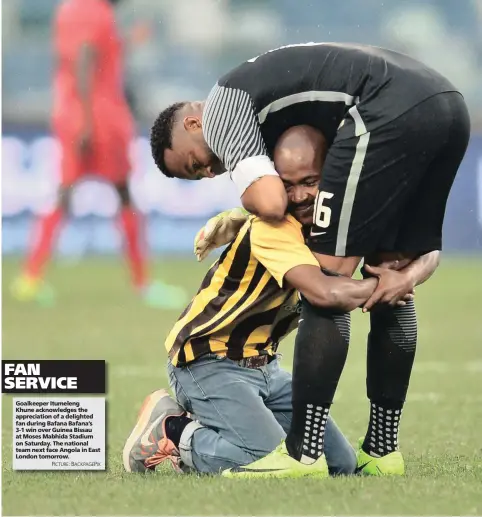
{"x":97,"y":317}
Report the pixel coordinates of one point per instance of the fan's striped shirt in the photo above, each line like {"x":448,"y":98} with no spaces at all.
{"x":242,"y":308}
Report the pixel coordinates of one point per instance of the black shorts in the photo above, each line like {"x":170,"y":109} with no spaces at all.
{"x":387,"y":190}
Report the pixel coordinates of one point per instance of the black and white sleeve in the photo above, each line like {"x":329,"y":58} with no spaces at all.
{"x":232,"y":132}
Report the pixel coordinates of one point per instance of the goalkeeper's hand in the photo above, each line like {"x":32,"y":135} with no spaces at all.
{"x":218,"y":231}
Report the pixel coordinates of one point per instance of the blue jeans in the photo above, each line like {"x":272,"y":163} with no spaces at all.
{"x":242,"y":414}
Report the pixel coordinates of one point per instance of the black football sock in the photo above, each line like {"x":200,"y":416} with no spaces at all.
{"x":391,"y":351}
{"x":321,"y":348}
{"x":175,"y":426}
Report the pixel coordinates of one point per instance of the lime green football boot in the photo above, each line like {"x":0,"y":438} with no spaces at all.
{"x":279,"y":464}
{"x":161,"y":295}
{"x":389,"y":465}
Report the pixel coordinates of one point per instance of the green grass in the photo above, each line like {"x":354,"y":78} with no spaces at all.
{"x":98,"y":317}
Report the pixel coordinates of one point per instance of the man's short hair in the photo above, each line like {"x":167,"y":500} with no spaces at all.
{"x":161,"y":135}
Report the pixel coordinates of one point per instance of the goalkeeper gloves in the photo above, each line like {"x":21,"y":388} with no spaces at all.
{"x":218,"y":231}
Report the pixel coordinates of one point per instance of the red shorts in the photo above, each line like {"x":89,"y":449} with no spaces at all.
{"x":109,"y":156}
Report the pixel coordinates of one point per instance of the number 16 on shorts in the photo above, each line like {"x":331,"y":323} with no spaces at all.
{"x":322,"y":212}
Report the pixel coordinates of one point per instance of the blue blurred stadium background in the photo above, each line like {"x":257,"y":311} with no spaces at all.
{"x":192,"y":42}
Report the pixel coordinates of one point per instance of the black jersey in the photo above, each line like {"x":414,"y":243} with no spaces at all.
{"x":314,"y":84}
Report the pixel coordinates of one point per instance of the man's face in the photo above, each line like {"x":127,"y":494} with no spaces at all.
{"x":190,"y":157}
{"x":302,"y":188}
{"x":299,"y":156}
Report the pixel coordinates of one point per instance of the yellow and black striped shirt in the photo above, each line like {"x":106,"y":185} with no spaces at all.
{"x":242,"y":308}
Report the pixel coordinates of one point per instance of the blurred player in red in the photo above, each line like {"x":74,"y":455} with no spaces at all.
{"x":93,"y":123}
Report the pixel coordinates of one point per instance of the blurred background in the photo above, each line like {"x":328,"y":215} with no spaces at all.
{"x":177,"y":49}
